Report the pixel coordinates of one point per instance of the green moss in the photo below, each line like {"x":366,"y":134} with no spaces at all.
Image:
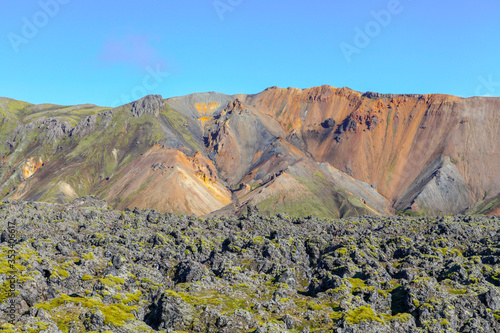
{"x":342,"y":252}
{"x":87,"y":277}
{"x":362,"y":314}
{"x":427,"y":305}
{"x":259,"y":240}
{"x":5,"y":267}
{"x":240,"y":286}
{"x":308,"y":304}
{"x":7,"y":328}
{"x":453,"y":252}
{"x":116,"y":280}
{"x":359,"y":285}
{"x":195,"y":300}
{"x":62,"y":273}
{"x":336,"y":315}
{"x":401,"y":317}
{"x":39,"y":326}
{"x":132,"y":297}
{"x":5,"y":291}
{"x":228,"y":304}
{"x":71,"y":114}
{"x":14,"y":109}
{"x":114,"y":314}
{"x":107,"y":282}
{"x":457,"y":291}
{"x":112,"y":281}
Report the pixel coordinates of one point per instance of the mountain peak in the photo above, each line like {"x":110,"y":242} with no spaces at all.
{"x":324,"y":151}
{"x":151,"y":104}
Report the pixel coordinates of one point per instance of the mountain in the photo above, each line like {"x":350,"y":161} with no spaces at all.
{"x":321,"y":151}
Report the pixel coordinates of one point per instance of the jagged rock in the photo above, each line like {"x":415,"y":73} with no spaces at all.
{"x":328,"y":123}
{"x":190,"y":271}
{"x":118,"y":261}
{"x":235,"y":106}
{"x":56,"y":129}
{"x":90,"y":268}
{"x":252,"y":211}
{"x":492,"y":299}
{"x":151,"y":104}
{"x":85,"y":126}
{"x":375,"y":95}
{"x":289,"y":321}
{"x":175,"y":314}
{"x":93,"y":320}
{"x":63,"y":249}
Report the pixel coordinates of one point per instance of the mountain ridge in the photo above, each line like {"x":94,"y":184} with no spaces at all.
{"x":328,"y":151}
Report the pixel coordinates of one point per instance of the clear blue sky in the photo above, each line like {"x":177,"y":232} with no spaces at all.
{"x":102,"y":52}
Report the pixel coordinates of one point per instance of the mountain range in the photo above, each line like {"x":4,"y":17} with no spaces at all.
{"x":323,"y":151}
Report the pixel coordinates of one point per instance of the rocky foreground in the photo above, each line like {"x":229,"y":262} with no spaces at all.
{"x":82,"y":267}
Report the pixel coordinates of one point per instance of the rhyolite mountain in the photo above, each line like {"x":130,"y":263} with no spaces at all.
{"x":321,"y":151}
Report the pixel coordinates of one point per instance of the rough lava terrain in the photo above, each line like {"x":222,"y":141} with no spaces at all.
{"x":84,"y":267}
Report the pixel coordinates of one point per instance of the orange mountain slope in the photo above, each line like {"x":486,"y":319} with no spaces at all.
{"x":433,"y":152}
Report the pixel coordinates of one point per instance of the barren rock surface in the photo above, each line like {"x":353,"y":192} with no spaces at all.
{"x":83,"y":267}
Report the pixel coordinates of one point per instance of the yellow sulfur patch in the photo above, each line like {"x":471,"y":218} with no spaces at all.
{"x":204,"y":108}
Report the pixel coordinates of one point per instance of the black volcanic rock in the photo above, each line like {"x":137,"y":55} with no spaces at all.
{"x":328,"y":123}
{"x":83,"y":267}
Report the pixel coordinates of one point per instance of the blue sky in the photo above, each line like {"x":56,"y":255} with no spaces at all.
{"x":110,"y":52}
